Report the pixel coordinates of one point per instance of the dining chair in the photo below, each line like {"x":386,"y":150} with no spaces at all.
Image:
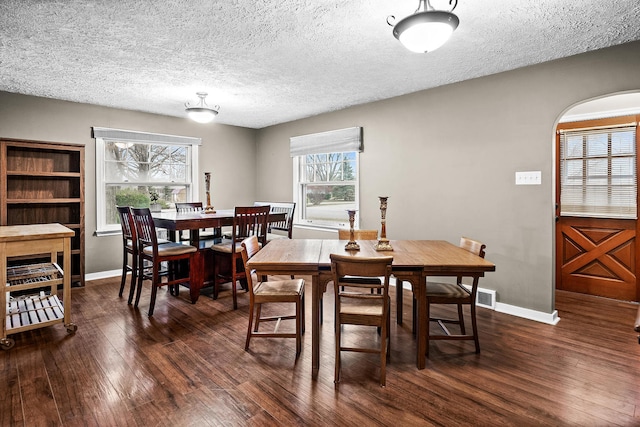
{"x":459,"y":294}
{"x":356,"y":305}
{"x":158,"y":253}
{"x":263,"y":292}
{"x":227,"y":256}
{"x":198,"y":208}
{"x":344,"y":234}
{"x":129,"y":249}
{"x":280,"y":229}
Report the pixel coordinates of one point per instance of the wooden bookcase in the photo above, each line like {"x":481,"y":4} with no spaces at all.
{"x":43,"y":182}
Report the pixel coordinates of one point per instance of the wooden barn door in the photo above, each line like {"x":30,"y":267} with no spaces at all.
{"x":597,"y":226}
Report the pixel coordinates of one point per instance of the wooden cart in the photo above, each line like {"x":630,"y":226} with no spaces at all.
{"x":30,"y":310}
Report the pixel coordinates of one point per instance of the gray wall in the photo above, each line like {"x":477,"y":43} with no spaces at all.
{"x":447,"y":159}
{"x":224,"y":152}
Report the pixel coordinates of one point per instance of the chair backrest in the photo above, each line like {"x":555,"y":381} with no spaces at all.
{"x":145,"y":228}
{"x":344,"y":234}
{"x":362,"y":267}
{"x":250,"y":221}
{"x":250,"y":247}
{"x":476,"y":248}
{"x":127,"y":225}
{"x":473,"y":246}
{"x":286,"y":207}
{"x":189,"y":207}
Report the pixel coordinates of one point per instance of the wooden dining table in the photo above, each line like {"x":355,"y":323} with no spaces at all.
{"x":174,"y":222}
{"x":413,"y":261}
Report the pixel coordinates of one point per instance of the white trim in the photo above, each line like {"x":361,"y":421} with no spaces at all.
{"x":526,"y":313}
{"x":103,"y":274}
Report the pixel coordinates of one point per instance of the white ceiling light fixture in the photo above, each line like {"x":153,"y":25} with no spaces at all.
{"x":427,"y":29}
{"x":201,"y":112}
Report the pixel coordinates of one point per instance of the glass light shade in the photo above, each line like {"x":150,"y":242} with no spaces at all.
{"x":426,"y":31}
{"x":201,"y":115}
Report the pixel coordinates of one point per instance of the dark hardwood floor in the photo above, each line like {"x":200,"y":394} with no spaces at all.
{"x":187,"y":366}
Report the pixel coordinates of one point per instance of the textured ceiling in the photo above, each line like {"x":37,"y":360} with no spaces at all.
{"x":268,"y":62}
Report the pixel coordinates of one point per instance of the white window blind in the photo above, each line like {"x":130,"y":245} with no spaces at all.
{"x":598,"y":172}
{"x":335,"y":141}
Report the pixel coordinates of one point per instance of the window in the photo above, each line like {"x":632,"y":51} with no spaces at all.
{"x":327,"y":187}
{"x":133,"y":168}
{"x":326,"y":176}
{"x":598,"y":172}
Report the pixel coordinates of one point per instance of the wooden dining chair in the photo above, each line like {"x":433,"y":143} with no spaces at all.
{"x":197,"y":207}
{"x":156,"y":254}
{"x":459,"y":295}
{"x":129,"y":249}
{"x":263,"y":292}
{"x":280,"y":229}
{"x":227,"y":256}
{"x":356,"y":305}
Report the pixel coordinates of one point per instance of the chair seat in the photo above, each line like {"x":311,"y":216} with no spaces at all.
{"x":279,"y":288}
{"x":226,"y":247}
{"x":170,"y":248}
{"x":362,"y":306}
{"x":446,"y":290}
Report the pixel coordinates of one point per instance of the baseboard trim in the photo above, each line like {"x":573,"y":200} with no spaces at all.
{"x":102,"y":275}
{"x":526,"y":313}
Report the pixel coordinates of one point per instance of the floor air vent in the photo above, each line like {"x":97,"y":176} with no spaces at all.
{"x":486,"y":298}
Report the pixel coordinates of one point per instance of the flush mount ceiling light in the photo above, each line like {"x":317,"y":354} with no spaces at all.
{"x":201,"y":112}
{"x":427,"y":29}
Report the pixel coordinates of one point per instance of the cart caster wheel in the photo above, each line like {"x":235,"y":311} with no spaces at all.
{"x":7,"y":344}
{"x":71,"y":328}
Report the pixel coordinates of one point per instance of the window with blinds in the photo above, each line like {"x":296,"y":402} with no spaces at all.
{"x":598,"y":172}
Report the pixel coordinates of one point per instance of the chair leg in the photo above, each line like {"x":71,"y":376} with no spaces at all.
{"x":140,"y":279}
{"x":474,"y":327}
{"x":123,"y":280}
{"x":298,"y":326}
{"x":154,"y":291}
{"x":256,"y":324}
{"x":134,"y":278}
{"x":251,"y":309}
{"x":337,"y":369}
{"x":383,"y":356}
{"x":302,"y":315}
{"x":461,"y":320}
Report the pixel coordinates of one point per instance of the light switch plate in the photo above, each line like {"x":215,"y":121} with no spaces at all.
{"x":529,"y":178}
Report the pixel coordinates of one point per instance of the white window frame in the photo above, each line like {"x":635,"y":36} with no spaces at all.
{"x":300,"y":199}
{"x":103,"y":135}
{"x":347,"y":140}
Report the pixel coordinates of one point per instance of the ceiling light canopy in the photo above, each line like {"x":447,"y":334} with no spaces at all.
{"x":427,"y":29}
{"x":201,"y":112}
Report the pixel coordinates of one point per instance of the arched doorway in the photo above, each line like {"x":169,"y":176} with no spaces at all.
{"x":597,"y":229}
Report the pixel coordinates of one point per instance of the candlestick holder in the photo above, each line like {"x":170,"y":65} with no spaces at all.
{"x":352,"y":245}
{"x":207,"y":185}
{"x":383,"y":243}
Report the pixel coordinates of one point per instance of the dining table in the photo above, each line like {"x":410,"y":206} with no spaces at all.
{"x":413,"y":262}
{"x":174,"y":221}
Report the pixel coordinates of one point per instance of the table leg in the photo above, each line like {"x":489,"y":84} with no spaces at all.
{"x":399,"y":301}
{"x":419,"y":290}
{"x":315,"y":325}
{"x":198,"y":267}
